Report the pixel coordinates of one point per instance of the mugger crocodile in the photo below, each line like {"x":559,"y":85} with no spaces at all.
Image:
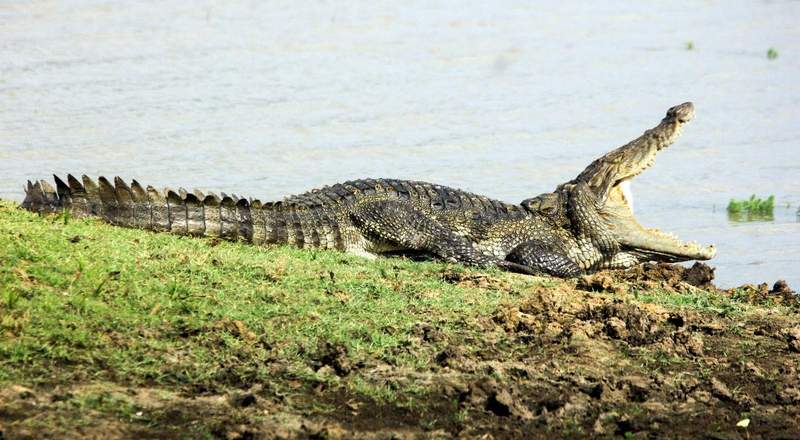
{"x":584,"y":225}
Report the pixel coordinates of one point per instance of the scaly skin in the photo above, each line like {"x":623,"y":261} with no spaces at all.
{"x":578,"y":228}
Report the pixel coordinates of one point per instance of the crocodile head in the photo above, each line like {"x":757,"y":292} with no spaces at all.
{"x":609,"y":178}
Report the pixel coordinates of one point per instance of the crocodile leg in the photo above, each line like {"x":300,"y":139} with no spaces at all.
{"x":540,"y":258}
{"x":587,"y":243}
{"x":402,"y":224}
{"x":621,"y":260}
{"x":595,"y":243}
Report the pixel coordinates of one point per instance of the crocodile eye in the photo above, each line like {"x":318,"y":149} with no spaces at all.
{"x":547,"y":209}
{"x":531,"y":204}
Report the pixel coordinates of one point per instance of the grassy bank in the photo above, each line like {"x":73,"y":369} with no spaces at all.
{"x":125,"y":332}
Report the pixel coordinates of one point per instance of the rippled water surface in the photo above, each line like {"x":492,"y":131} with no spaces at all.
{"x":502,"y":98}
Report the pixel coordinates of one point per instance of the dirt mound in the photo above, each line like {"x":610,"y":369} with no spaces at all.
{"x":651,"y":276}
{"x":677,"y":278}
{"x":780,"y":293}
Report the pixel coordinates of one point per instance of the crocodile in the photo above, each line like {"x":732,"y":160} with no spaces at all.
{"x":583,"y":225}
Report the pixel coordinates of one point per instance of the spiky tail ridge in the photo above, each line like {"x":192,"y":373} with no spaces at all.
{"x":186,"y":213}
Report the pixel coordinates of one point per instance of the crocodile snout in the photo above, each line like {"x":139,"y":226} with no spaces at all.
{"x":682,"y":113}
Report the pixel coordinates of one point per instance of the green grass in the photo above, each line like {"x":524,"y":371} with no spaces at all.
{"x":772,"y":53}
{"x":752,"y":209}
{"x":700,"y":300}
{"x":83,"y":301}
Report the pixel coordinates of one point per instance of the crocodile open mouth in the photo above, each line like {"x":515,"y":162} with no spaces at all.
{"x":610,"y":176}
{"x":646,"y":243}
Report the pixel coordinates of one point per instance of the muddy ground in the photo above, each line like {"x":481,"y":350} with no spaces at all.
{"x":586,"y":358}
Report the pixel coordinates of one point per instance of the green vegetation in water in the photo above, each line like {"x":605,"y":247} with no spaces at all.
{"x":772,"y":53}
{"x":752,"y":209}
{"x":689,"y":45}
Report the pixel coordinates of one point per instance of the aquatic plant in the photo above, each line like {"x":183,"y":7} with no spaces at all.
{"x":753,"y":208}
{"x":772,"y":53}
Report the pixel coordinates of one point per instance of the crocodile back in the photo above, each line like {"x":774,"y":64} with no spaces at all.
{"x":437,"y":200}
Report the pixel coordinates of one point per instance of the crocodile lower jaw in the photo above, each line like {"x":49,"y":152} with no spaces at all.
{"x":648,"y":243}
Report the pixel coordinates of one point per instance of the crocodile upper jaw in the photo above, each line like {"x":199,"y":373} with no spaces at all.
{"x":609,"y":177}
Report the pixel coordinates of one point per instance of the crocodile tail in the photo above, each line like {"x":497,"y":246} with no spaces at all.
{"x":180,"y":212}
{"x":187,"y":213}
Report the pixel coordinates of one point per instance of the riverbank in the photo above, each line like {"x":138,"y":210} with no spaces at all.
{"x":125,"y":333}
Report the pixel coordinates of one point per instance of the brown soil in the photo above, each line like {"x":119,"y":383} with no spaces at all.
{"x":581,"y":359}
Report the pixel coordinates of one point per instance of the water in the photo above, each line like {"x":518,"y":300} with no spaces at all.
{"x":502,"y":98}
